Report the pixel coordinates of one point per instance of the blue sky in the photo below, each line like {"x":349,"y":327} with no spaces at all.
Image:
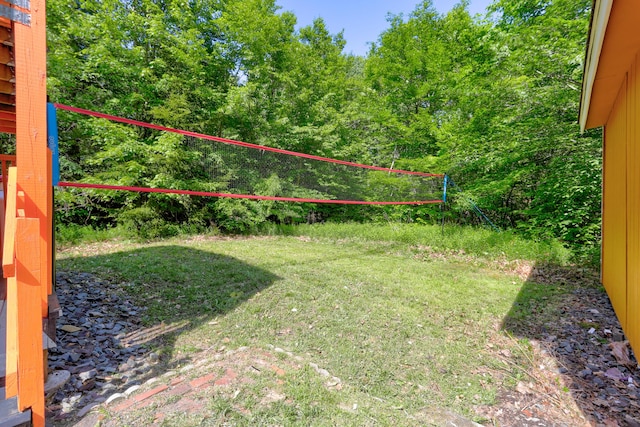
{"x":362,"y":20}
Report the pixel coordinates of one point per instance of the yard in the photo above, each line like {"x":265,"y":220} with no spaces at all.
{"x":404,"y":320}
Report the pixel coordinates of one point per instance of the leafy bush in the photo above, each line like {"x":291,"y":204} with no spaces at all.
{"x":143,"y":222}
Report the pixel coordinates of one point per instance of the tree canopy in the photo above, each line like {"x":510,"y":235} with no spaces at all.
{"x":492,"y":100}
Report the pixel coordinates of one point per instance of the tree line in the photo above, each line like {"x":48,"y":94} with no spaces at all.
{"x":491,"y":100}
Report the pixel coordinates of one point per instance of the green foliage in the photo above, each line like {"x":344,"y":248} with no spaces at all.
{"x":493,"y":102}
{"x":145,"y":223}
{"x":73,"y":234}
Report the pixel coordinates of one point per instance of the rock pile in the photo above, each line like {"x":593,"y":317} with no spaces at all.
{"x":91,"y":345}
{"x":595,"y":358}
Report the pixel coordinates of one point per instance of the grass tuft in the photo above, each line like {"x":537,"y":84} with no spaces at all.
{"x":402,"y":330}
{"x":472,"y":240}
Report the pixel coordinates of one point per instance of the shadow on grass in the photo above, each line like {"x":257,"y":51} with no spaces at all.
{"x":181,"y":288}
{"x":564,"y":315}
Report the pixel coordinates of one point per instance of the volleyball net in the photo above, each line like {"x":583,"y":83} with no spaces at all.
{"x":218,"y":167}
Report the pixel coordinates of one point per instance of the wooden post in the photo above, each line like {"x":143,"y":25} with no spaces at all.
{"x":33,"y":244}
{"x":31,"y":132}
{"x":30,"y":369}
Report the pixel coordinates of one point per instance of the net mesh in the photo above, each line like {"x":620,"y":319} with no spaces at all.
{"x":249,"y":171}
{"x":212,"y":166}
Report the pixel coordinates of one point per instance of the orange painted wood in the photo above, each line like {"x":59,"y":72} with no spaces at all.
{"x":8,"y":124}
{"x":31,"y":134}
{"x":6,"y":161}
{"x":6,"y":73}
{"x":11,"y":363}
{"x":632,"y":328}
{"x":8,"y":249}
{"x":5,"y":115}
{"x":7,"y":88}
{"x":614,"y":218}
{"x":7,"y":99}
{"x":48,"y":289}
{"x":30,"y":369}
{"x":8,"y":261}
{"x":5,"y":35}
{"x":5,"y":55}
{"x":2,"y":215}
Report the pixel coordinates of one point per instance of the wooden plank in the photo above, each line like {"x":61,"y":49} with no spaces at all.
{"x":8,"y":248}
{"x":6,"y":73}
{"x":7,"y":87}
{"x":10,"y":415}
{"x":11,"y":349}
{"x":30,"y":47}
{"x":3,"y":206}
{"x":47,"y":287}
{"x":7,"y":115}
{"x":33,"y":269}
{"x":30,"y":368}
{"x":5,"y":35}
{"x":5,"y":55}
{"x":8,"y":158}
{"x":11,"y":363}
{"x":7,"y":126}
{"x":6,"y":161}
{"x":7,"y":99}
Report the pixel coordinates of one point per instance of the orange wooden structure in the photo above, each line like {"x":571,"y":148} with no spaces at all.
{"x":26,"y":229}
{"x":611,"y":98}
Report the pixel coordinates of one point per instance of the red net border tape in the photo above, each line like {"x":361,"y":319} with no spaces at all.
{"x":236,"y":196}
{"x":239,"y":143}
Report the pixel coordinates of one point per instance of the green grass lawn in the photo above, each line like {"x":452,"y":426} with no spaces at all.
{"x":404,"y":327}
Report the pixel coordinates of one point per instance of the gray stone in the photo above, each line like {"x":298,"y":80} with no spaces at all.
{"x":585,"y":373}
{"x":131,"y":390}
{"x":55,"y":381}
{"x":87,"y":375}
{"x":84,"y":411}
{"x":115,"y":397}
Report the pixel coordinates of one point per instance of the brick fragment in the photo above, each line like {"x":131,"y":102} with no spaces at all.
{"x":152,"y":392}
{"x":198,"y":382}
{"x":222,"y":381}
{"x":279,"y":371}
{"x":179,"y":390}
{"x":176,"y":381}
{"x":124,"y":405}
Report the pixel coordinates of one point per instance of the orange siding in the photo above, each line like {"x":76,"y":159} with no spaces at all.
{"x":632,"y":327}
{"x":614,"y":221}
